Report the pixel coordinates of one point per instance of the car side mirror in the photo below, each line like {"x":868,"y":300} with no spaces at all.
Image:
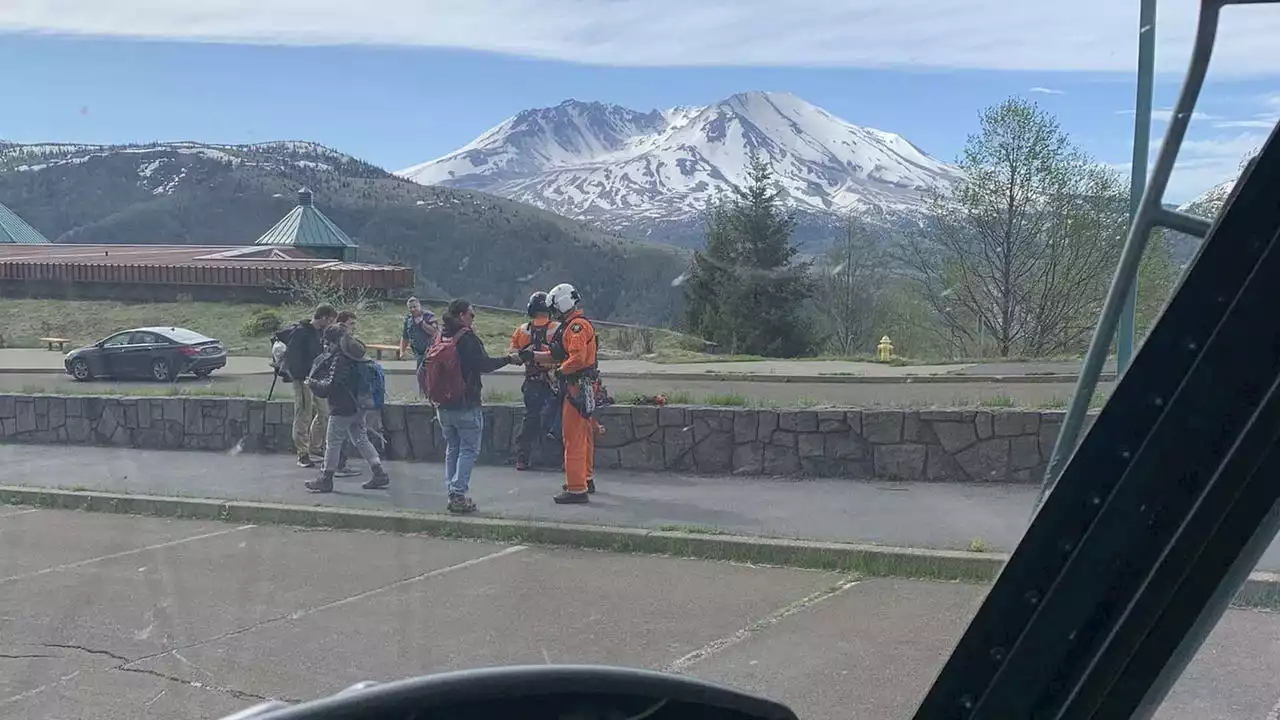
{"x":538,"y":692}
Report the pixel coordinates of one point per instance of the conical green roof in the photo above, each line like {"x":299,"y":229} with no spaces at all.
{"x":306,"y":227}
{"x":14,"y":229}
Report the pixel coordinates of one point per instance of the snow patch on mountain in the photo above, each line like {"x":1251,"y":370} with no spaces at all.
{"x":631,"y":171}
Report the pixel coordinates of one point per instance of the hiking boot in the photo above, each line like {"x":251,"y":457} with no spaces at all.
{"x":461,"y":504}
{"x":522,"y":462}
{"x":322,"y":484}
{"x":571,"y":498}
{"x":591,"y":486}
{"x":379,"y":480}
{"x":347,"y":471}
{"x":305,"y":461}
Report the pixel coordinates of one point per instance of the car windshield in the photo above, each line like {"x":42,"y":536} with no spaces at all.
{"x":741,"y":341}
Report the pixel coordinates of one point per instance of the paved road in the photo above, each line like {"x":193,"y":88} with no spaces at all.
{"x":925,"y":515}
{"x":507,"y":384}
{"x":104,"y":617}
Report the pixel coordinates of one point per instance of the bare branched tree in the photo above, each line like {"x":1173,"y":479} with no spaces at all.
{"x":850,"y":285}
{"x":1020,"y":254}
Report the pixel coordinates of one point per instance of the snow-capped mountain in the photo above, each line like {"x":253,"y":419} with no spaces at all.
{"x":653,"y":174}
{"x":154,"y":158}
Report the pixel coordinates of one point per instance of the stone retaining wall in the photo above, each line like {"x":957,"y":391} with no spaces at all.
{"x":938,"y":445}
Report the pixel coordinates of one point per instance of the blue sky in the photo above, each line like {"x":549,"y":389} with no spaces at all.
{"x":396,"y":102}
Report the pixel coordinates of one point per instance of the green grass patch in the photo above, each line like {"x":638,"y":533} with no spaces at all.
{"x":501,"y":397}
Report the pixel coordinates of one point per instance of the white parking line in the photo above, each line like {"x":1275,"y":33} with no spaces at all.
{"x":123,"y":553}
{"x":303,"y":612}
{"x":1275,"y":712}
{"x":715,"y":646}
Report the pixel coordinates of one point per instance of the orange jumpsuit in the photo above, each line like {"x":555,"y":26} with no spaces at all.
{"x":579,"y":433}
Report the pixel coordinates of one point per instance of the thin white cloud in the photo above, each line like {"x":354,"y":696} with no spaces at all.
{"x":1046,"y":91}
{"x":1164,"y":115}
{"x":1264,"y":123}
{"x":1047,"y":35}
{"x":1203,"y":163}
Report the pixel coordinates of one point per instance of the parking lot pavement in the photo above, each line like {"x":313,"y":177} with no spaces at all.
{"x":107,"y":616}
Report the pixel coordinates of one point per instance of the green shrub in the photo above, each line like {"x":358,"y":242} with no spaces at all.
{"x":262,"y":322}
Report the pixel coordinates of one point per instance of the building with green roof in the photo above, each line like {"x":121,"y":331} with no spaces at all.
{"x":15,"y":230}
{"x":306,"y":228}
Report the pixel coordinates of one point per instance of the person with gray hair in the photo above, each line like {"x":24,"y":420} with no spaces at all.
{"x":420,"y":331}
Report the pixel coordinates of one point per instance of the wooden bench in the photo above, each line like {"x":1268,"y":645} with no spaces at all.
{"x":60,"y":342}
{"x":379,"y":349}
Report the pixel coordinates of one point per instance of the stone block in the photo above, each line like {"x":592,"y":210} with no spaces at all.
{"x":42,"y":412}
{"x":129,"y":408}
{"x":144,"y":412}
{"x":677,"y":447}
{"x":8,"y":406}
{"x":1013,"y":423}
{"x":501,"y":421}
{"x":74,"y":405}
{"x":393,"y":417}
{"x":1024,"y":452}
{"x":900,"y":462}
{"x":882,"y":426}
{"x":915,"y":430}
{"x":954,"y":436}
{"x":79,"y":430}
{"x":783,"y":438}
{"x":618,"y":428}
{"x":832,"y":421}
{"x":8,"y":427}
{"x":1048,"y":436}
{"x":608,"y":458}
{"x":810,"y":445}
{"x":988,"y":460}
{"x":766,"y":424}
{"x":779,"y":460}
{"x":748,"y":458}
{"x":275,"y":413}
{"x":24,"y":416}
{"x":643,"y":455}
{"x":257,"y":420}
{"x":806,"y":421}
{"x":237,"y":409}
{"x":746,"y":424}
{"x":174,"y":409}
{"x":714,"y":452}
{"x":398,"y":445}
{"x":983,"y":425}
{"x":846,"y":446}
{"x":940,"y":465}
{"x":672,"y":417}
{"x":787,"y":420}
{"x":57,"y":412}
{"x":644,"y":420}
{"x":937,"y":415}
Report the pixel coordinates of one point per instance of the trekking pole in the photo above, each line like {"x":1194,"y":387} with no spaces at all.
{"x":274,"y":377}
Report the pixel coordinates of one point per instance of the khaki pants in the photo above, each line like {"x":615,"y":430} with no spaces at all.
{"x":310,"y":420}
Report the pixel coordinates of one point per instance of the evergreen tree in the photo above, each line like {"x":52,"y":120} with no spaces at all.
{"x":747,"y":288}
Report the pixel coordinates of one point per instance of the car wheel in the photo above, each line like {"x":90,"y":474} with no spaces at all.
{"x":80,"y":370}
{"x":201,"y":373}
{"x":160,"y":370}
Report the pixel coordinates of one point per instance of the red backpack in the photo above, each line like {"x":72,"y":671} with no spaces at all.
{"x":441,"y":374}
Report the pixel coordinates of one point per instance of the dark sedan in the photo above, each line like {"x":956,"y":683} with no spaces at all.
{"x":157,"y":353}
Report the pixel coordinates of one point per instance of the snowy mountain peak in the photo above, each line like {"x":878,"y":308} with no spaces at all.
{"x":637,"y":171}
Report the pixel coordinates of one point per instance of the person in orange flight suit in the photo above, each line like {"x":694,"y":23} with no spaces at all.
{"x":540,"y":399}
{"x":573,"y":348}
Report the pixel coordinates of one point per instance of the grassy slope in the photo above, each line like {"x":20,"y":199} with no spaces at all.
{"x":22,"y":322}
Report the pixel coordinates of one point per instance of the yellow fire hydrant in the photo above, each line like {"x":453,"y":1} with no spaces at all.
{"x":885,"y":349}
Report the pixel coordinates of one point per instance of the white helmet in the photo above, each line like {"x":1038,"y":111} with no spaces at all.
{"x":563,"y":298}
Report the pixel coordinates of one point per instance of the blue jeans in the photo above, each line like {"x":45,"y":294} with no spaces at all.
{"x":462,"y":432}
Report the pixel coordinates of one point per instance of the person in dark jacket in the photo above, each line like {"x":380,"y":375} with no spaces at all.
{"x":338,"y":381}
{"x":309,"y":417}
{"x":462,"y":422}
